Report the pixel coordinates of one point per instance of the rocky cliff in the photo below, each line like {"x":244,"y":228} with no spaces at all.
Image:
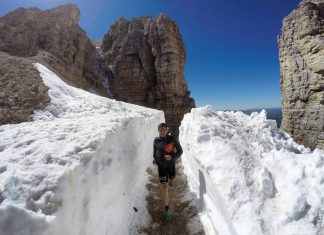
{"x":55,"y":37}
{"x":301,"y":55}
{"x":144,"y":59}
{"x":21,"y":89}
{"x":141,"y":61}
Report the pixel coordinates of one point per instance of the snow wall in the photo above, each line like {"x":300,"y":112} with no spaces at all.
{"x":79,"y":167}
{"x":251,"y":177}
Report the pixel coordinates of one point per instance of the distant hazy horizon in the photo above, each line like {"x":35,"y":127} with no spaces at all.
{"x":244,"y":109}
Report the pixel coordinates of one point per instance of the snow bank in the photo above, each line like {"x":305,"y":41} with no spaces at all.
{"x":79,"y":167}
{"x":251,"y":177}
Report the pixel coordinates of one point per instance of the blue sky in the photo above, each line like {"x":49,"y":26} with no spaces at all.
{"x":232,"y":52}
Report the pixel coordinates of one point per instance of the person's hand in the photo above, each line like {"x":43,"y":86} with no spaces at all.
{"x":167,"y":157}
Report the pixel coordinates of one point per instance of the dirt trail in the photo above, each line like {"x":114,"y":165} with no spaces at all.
{"x":183,"y":206}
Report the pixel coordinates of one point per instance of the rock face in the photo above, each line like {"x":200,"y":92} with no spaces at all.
{"x":21,"y":89}
{"x":144,"y":59}
{"x":313,"y":1}
{"x":55,"y":37}
{"x":140,"y":61}
{"x":301,"y":54}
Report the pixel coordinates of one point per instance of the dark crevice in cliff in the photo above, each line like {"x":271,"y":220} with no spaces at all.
{"x":153,"y":81}
{"x":138,"y":58}
{"x":320,"y":8}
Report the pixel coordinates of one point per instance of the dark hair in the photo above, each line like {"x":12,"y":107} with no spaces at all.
{"x":162,"y":125}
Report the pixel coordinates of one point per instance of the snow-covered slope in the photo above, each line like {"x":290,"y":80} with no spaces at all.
{"x":78,"y":168}
{"x":251,"y":177}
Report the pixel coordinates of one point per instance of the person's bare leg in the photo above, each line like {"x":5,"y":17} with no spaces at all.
{"x":165,"y":194}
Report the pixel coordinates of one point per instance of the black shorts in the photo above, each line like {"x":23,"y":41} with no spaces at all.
{"x":166,"y":172}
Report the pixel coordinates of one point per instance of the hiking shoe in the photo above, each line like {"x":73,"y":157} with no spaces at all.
{"x":167,"y":215}
{"x":171,"y":181}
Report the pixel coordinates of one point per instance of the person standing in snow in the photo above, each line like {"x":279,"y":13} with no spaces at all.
{"x":166,"y":150}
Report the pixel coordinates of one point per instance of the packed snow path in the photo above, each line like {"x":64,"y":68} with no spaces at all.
{"x":184,"y":206}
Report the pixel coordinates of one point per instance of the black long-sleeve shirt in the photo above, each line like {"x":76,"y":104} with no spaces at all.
{"x":159,"y":152}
